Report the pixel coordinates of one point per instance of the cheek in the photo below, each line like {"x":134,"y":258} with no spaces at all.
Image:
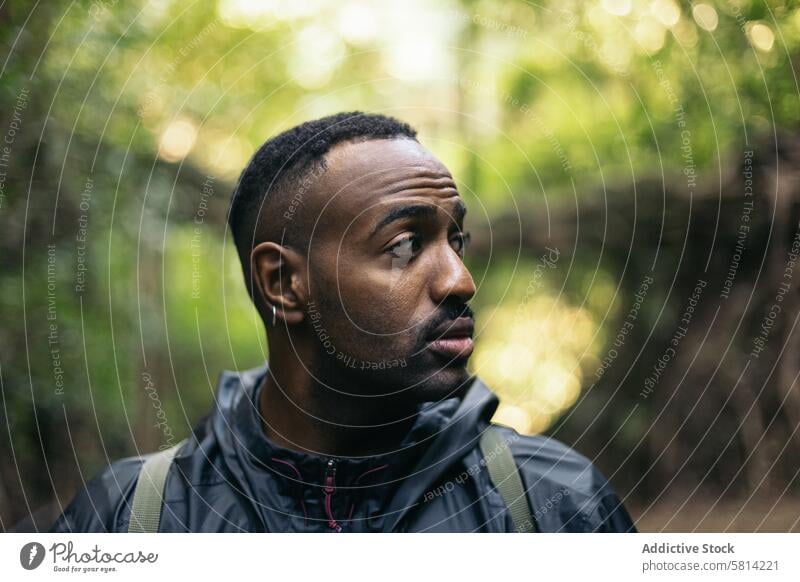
{"x":377,"y":300}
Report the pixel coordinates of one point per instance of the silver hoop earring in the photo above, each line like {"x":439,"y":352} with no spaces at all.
{"x":274,"y":313}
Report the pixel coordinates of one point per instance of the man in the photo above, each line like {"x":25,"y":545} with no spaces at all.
{"x":351,"y":239}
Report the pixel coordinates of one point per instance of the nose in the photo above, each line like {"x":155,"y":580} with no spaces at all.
{"x":451,"y":278}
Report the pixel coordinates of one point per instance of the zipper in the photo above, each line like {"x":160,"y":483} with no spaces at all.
{"x":329,"y":490}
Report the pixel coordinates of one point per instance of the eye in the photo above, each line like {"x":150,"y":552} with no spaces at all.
{"x":459,"y":243}
{"x":405,"y":248}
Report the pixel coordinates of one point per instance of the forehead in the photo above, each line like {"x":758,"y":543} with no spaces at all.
{"x":353,"y":160}
{"x":363,"y":175}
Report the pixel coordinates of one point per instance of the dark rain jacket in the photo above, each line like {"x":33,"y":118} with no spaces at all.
{"x":228,"y":477}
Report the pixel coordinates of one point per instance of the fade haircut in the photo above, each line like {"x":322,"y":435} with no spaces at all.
{"x":282,"y":167}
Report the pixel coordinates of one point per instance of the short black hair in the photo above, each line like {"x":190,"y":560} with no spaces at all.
{"x":284,"y":162}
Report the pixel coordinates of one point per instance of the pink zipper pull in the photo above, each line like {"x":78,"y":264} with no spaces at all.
{"x":330,"y":489}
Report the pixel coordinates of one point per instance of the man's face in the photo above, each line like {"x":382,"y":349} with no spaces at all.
{"x":388,"y":287}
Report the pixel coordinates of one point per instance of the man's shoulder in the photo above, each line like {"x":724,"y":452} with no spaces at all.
{"x":104,"y":503}
{"x":97,"y":506}
{"x":557,"y":476}
{"x":552,"y":461}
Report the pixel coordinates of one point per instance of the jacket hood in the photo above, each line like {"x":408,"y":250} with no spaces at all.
{"x":285,"y":484}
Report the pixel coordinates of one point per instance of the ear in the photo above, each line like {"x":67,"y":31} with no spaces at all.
{"x":278,"y":278}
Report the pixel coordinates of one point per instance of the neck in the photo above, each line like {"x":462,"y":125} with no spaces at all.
{"x":304,"y":414}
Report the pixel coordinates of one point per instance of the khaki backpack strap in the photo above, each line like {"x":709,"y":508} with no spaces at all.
{"x":503,"y":472}
{"x":149,"y":492}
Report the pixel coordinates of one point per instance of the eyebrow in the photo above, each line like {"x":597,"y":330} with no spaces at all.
{"x":417,"y":210}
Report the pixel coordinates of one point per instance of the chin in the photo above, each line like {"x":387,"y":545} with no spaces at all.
{"x":444,"y":383}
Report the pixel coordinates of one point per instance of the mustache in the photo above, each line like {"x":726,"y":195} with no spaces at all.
{"x":448,"y":312}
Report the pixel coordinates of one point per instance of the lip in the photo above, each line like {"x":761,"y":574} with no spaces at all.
{"x":454,"y":338}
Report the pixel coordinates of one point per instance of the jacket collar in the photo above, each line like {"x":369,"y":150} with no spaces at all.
{"x":442,"y":434}
{"x":310,"y":467}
